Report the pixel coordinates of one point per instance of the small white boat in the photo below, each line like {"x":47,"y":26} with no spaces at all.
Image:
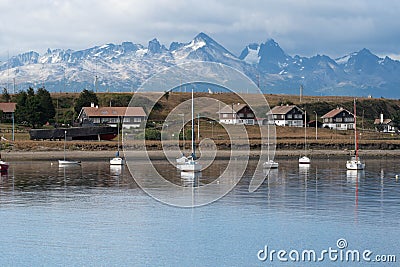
{"x":304,"y":160}
{"x":270,"y":164}
{"x":190,"y":166}
{"x":181,"y":160}
{"x":355,"y":164}
{"x":64,"y":162}
{"x":4,"y":166}
{"x":117,"y":160}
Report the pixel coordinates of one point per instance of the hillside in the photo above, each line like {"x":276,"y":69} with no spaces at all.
{"x":287,"y":137}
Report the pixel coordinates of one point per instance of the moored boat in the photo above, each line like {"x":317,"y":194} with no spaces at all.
{"x":355,"y":162}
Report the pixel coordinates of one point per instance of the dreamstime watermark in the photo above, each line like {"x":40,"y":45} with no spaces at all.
{"x":339,"y":253}
{"x":188,"y":77}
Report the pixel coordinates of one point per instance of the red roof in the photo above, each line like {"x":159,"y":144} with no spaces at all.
{"x":114,"y":111}
{"x":8,"y":107}
{"x":385,"y":121}
{"x":334,"y":112}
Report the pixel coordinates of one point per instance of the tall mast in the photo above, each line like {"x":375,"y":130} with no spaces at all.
{"x":355,"y":129}
{"x":193,"y":146}
{"x":305,"y":132}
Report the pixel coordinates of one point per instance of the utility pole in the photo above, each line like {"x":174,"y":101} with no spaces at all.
{"x":301,"y":92}
{"x":316,"y":125}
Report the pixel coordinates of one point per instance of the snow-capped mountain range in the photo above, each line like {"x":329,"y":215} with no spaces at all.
{"x":124,"y":67}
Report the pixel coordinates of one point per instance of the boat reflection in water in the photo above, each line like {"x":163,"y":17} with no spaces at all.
{"x":190,"y":179}
{"x":304,"y":169}
{"x":354,"y":175}
{"x":115,"y":170}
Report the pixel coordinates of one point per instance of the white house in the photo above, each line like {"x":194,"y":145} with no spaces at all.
{"x":384,"y":125}
{"x":237,"y":114}
{"x":287,"y":115}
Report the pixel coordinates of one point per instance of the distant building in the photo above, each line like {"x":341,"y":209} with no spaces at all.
{"x":338,"y":119}
{"x":384,"y":125}
{"x":131,"y":117}
{"x":8,"y":109}
{"x":287,"y":115}
{"x":237,"y":114}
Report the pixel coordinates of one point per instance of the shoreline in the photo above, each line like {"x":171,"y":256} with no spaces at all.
{"x":158,"y":154}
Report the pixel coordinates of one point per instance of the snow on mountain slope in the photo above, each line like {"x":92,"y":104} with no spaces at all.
{"x":124,"y":67}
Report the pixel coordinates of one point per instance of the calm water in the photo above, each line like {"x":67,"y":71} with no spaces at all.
{"x":97,"y":216}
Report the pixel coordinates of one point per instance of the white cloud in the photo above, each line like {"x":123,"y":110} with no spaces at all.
{"x":302,"y":27}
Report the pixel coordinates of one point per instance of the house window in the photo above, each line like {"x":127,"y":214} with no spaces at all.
{"x":127,"y":119}
{"x":250,"y":115}
{"x":275,"y":117}
{"x":289,"y":116}
{"x":241,"y":115}
{"x":338,"y":119}
{"x":113,"y":120}
{"x":96,"y":120}
{"x":137,"y":119}
{"x":298,"y":116}
{"x":224,"y":115}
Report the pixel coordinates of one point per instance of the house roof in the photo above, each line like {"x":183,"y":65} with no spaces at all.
{"x":334,"y":112}
{"x":114,"y":111}
{"x":228,"y":108}
{"x":385,"y":121}
{"x":8,"y":107}
{"x":283,"y":109}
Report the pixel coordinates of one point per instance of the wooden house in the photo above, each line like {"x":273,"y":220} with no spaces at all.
{"x":287,"y":115}
{"x":338,"y":119}
{"x":131,"y":117}
{"x":237,"y":114}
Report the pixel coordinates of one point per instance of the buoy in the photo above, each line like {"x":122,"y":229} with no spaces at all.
{"x":397,"y":177}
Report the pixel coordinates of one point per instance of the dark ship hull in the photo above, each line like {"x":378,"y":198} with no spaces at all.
{"x":75,"y":133}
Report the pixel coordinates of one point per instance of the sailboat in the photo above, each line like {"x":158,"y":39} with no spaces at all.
{"x":270,"y":163}
{"x":3,"y":165}
{"x":355,"y":163}
{"x":304,"y":159}
{"x":191,"y":165}
{"x":117,"y":160}
{"x":64,"y":162}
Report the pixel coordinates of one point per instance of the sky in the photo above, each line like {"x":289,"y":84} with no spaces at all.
{"x":301,"y":27}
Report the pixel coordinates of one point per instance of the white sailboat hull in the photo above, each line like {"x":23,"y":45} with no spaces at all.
{"x":117,"y":161}
{"x":354,"y":164}
{"x":68,"y":162}
{"x":190,"y":166}
{"x":271,"y":164}
{"x":304,"y":160}
{"x":181,"y":160}
{"x":4,"y":166}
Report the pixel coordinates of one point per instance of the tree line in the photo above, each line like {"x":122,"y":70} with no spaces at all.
{"x":36,"y":108}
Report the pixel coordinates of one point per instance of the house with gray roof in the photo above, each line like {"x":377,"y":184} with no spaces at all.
{"x":287,"y":115}
{"x":237,"y":114}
